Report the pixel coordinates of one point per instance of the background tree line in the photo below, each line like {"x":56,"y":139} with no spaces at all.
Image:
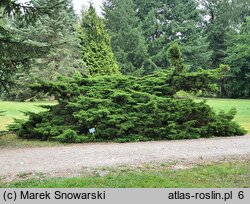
{"x":131,"y":37}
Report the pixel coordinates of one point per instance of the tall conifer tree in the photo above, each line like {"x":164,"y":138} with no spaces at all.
{"x":16,"y":52}
{"x":54,"y":29}
{"x":237,"y":84}
{"x":221,"y":19}
{"x":166,"y":21}
{"x":96,"y":52}
{"x":128,"y":42}
{"x":58,"y":31}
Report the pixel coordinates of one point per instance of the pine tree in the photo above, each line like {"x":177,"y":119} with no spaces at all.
{"x":127,"y":38}
{"x":96,"y":52}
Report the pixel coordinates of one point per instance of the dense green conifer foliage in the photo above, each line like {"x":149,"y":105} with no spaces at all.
{"x":220,"y":19}
{"x":38,"y":40}
{"x":16,"y":52}
{"x":237,"y":83}
{"x":126,"y":108}
{"x":174,"y":57}
{"x":127,"y":39}
{"x":96,"y":52}
{"x":206,"y":29}
{"x":17,"y":49}
{"x":166,"y":21}
{"x":43,"y":48}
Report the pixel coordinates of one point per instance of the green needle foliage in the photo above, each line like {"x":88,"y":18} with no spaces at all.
{"x":166,"y":21}
{"x":42,"y":47}
{"x":174,"y":56}
{"x":128,"y":43}
{"x":237,"y":83}
{"x":16,"y":52}
{"x":126,"y":108}
{"x":96,"y":52}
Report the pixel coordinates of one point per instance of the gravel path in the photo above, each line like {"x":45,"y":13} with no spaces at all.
{"x":76,"y":157}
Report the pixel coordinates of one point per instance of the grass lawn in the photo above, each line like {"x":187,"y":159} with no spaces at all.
{"x":218,"y":175}
{"x":15,"y":110}
{"x":12,"y":141}
{"x":242,"y":106}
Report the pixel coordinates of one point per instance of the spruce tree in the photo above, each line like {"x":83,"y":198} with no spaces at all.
{"x":55,"y":30}
{"x":221,"y":18}
{"x":15,"y":52}
{"x":217,"y":26}
{"x":166,"y":21}
{"x":127,"y":40}
{"x":96,"y":53}
{"x":237,"y":83}
{"x":58,"y":31}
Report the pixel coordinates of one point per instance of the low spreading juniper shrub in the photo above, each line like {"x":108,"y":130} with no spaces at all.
{"x":126,"y":108}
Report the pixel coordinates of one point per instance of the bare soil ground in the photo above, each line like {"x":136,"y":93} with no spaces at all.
{"x":64,"y":160}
